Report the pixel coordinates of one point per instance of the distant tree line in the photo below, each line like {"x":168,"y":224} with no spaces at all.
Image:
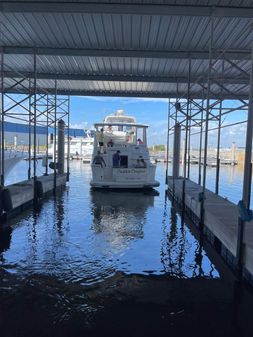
{"x":157,"y":148}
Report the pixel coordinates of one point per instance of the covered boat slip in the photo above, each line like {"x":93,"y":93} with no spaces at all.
{"x":199,"y":56}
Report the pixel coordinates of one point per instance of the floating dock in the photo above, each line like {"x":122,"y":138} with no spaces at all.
{"x":19,"y":196}
{"x":220,"y":221}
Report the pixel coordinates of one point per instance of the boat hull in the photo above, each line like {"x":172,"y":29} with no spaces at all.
{"x":123,"y":185}
{"x":126,"y":178}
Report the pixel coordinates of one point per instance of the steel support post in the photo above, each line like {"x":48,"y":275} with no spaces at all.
{"x":176,"y":151}
{"x":189,"y":143}
{"x":200,"y":142}
{"x":186,"y":133}
{"x":2,"y":118}
{"x":60,"y":146}
{"x":35,"y":127}
{"x":247,"y":178}
{"x":55,"y":130}
{"x":218,"y":138}
{"x":29,"y":130}
{"x":68,"y":151}
{"x":218,"y":152}
{"x":46,"y":171}
{"x":168,"y":143}
{"x":2,"y":134}
{"x":208,"y":108}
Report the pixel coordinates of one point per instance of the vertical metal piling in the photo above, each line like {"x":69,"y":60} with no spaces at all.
{"x":208,"y":108}
{"x":29,"y":130}
{"x":55,"y":119}
{"x":2,"y":118}
{"x":247,"y":178}
{"x":68,"y":151}
{"x":186,"y":133}
{"x":200,"y":142}
{"x":189,"y":144}
{"x":218,"y":152}
{"x":61,"y":145}
{"x":47,"y":112}
{"x":176,"y":151}
{"x":168,"y":143}
{"x":35,"y":127}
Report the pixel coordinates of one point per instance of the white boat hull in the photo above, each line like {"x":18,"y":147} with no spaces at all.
{"x":127,"y":178}
{"x":112,"y":184}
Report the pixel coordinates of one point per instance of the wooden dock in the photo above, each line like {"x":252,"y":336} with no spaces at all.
{"x":220,"y":220}
{"x":17,"y":197}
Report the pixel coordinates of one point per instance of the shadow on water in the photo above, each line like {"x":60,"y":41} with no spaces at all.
{"x":118,"y":263}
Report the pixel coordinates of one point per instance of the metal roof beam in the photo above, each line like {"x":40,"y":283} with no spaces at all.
{"x":165,"y":54}
{"x":127,"y":78}
{"x":133,"y":9}
{"x":124,"y":93}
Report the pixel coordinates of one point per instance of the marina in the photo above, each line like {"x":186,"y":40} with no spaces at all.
{"x":126,"y":134}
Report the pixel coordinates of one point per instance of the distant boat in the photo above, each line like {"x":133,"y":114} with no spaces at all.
{"x":11,"y":158}
{"x":124,"y":160}
{"x":79,"y":148}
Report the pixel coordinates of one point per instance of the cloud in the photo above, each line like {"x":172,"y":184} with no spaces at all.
{"x":157,"y":132}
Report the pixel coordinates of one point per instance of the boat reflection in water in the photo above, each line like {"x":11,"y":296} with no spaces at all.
{"x":120,"y":215}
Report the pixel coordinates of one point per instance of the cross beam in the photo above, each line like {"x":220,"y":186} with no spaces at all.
{"x":153,"y":54}
{"x":121,"y":9}
{"x":126,"y":78}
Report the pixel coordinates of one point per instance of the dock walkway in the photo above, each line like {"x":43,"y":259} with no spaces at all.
{"x":18,"y":196}
{"x":221,"y":217}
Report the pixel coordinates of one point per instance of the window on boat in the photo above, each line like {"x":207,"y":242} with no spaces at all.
{"x":141,"y":136}
{"x":123,"y":161}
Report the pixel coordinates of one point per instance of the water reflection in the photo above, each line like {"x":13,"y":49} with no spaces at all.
{"x":120,"y":214}
{"x":182,"y":255}
{"x":59,"y":214}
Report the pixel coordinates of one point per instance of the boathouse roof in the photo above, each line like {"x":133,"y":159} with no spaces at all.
{"x":128,"y":48}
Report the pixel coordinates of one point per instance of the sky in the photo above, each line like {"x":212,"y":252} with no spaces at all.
{"x":85,"y":111}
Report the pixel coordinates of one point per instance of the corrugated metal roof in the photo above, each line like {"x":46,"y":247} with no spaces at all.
{"x":121,"y":52}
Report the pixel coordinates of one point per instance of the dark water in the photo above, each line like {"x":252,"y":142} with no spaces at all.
{"x":92,"y":263}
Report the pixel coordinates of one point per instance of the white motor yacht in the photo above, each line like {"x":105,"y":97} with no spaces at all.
{"x":120,"y":155}
{"x":81,"y":147}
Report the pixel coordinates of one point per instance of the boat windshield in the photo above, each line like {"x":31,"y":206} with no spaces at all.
{"x":121,"y":134}
{"x":120,"y":119}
